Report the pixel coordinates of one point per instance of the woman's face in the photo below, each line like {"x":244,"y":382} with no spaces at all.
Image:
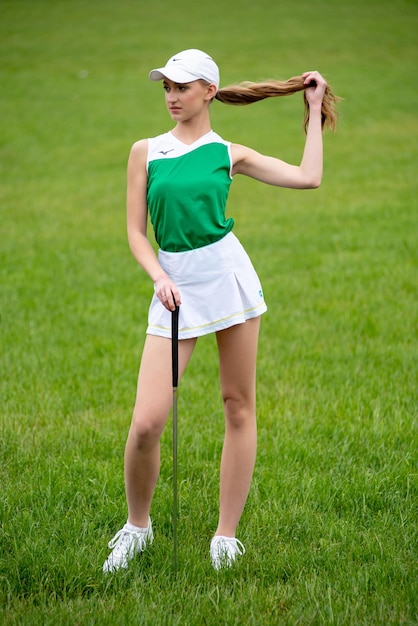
{"x":186,"y":100}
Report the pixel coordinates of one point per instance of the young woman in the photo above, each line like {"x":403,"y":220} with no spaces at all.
{"x":182,"y":178}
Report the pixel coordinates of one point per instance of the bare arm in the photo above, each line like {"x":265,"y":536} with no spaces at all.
{"x":137,"y":212}
{"x":273,"y":171}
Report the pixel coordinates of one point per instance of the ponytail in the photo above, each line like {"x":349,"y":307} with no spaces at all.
{"x":247,"y":92}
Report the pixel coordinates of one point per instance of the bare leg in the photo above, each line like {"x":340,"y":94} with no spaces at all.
{"x":237,"y":356}
{"x":152,"y":408}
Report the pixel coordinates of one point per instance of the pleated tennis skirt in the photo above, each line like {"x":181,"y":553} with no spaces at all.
{"x":218,"y":285}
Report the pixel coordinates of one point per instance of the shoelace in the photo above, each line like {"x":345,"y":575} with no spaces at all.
{"x":122,"y":535}
{"x":230,"y":542}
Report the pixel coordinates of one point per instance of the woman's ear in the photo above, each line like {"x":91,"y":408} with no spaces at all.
{"x":211,"y":91}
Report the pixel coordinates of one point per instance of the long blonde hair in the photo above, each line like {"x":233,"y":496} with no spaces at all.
{"x":248,"y":92}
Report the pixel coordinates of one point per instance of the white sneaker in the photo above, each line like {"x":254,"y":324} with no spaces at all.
{"x":125,"y":545}
{"x":223,"y":551}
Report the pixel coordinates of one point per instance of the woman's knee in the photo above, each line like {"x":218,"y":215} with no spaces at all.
{"x":146,"y":430}
{"x":239,"y":410}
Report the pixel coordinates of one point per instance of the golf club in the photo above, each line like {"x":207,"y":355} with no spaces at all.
{"x":175,"y":372}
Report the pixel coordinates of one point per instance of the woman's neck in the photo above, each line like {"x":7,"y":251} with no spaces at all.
{"x":189,"y":132}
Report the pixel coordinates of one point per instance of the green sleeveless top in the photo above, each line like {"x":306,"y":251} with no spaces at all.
{"x":187,"y":191}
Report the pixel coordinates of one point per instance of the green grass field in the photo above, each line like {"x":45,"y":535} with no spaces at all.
{"x":330,"y":526}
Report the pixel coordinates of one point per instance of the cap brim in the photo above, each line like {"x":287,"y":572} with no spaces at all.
{"x":177,"y":75}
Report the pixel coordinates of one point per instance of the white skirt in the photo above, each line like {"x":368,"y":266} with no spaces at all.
{"x":218,"y":285}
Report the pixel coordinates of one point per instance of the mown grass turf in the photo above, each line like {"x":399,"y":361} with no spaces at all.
{"x":330,"y":524}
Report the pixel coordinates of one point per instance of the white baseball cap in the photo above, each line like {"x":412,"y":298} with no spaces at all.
{"x":188,"y":66}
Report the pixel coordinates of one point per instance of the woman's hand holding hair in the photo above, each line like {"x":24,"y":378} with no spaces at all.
{"x":315,"y":87}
